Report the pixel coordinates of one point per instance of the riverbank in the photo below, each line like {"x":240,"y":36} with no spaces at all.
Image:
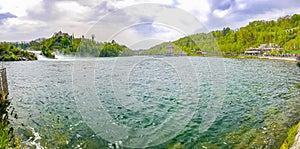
{"x":292,"y":59}
{"x":293,"y":138}
{"x":296,"y":144}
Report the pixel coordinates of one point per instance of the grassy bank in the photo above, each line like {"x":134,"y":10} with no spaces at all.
{"x":289,"y":141}
{"x":5,"y":132}
{"x":7,"y":139}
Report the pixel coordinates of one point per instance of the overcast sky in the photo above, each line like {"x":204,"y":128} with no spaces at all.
{"x":135,"y":23}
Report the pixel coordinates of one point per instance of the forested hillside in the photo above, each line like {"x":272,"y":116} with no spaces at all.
{"x":285,"y":32}
{"x":62,"y":43}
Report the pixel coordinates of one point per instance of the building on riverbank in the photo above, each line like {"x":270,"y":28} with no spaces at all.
{"x":263,"y":49}
{"x":170,"y":51}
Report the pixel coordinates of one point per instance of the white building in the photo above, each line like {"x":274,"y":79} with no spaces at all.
{"x":263,"y":48}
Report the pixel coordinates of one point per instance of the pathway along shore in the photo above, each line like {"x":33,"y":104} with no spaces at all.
{"x":296,"y":144}
{"x":293,"y":59}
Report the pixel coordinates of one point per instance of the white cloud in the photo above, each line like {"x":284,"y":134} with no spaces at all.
{"x":145,"y":21}
{"x":18,"y":22}
{"x":241,"y":6}
{"x":72,"y":10}
{"x":221,"y":13}
{"x":38,"y":18}
{"x":166,"y":33}
{"x":137,"y":40}
{"x":126,"y":3}
{"x":273,"y":14}
{"x":17,"y":7}
{"x":276,"y":13}
{"x":199,"y":8}
{"x":90,"y":3}
{"x":15,"y":29}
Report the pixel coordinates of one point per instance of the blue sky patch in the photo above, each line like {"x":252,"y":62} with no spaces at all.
{"x":4,"y":16}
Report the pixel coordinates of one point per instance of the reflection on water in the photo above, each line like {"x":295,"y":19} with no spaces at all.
{"x":260,"y":102}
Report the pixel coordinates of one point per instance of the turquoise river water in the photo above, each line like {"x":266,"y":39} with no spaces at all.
{"x":153,"y":102}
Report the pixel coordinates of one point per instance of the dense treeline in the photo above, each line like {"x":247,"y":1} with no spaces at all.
{"x":62,"y":43}
{"x":107,"y":49}
{"x":284,"y":32}
{"x":157,"y":50}
{"x":9,"y":52}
